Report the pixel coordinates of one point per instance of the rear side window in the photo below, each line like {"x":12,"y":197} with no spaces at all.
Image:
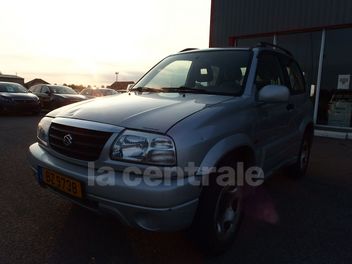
{"x":268,"y":71}
{"x":294,"y":76}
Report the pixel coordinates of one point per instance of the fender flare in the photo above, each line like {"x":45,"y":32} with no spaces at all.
{"x":220,"y":149}
{"x":306,"y":123}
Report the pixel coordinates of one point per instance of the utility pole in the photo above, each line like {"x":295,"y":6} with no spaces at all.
{"x":117,"y":76}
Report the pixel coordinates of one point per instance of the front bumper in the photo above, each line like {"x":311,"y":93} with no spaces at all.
{"x":157,"y":208}
{"x":21,"y":107}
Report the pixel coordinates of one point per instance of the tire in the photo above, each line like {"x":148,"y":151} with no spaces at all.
{"x":299,"y":168}
{"x":218,"y":217}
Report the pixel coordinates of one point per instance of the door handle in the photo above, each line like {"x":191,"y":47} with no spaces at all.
{"x":290,"y":107}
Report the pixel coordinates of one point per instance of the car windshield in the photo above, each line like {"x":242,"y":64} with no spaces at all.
{"x":62,"y":90}
{"x":108,"y":92}
{"x":12,"y":88}
{"x":210,"y":72}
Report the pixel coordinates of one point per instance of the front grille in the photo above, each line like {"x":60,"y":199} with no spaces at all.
{"x":86,"y":144}
{"x":23,"y":101}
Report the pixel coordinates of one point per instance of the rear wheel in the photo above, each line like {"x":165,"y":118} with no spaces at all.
{"x":299,"y":168}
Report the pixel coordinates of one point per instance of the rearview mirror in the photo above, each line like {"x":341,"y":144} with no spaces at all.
{"x":274,"y":94}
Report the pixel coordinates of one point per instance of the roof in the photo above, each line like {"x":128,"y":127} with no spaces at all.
{"x":1,"y":82}
{"x":34,"y":82}
{"x":10,"y":76}
{"x":186,"y":51}
{"x":211,"y":49}
{"x":120,"y":85}
{"x":260,"y":46}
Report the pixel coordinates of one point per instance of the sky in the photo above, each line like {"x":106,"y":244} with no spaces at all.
{"x":86,"y":42}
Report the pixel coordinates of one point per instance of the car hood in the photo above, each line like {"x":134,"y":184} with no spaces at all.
{"x":19,"y":96}
{"x":70,"y":96}
{"x":144,"y":111}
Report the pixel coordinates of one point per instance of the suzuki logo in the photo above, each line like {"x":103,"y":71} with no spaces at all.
{"x":67,"y":140}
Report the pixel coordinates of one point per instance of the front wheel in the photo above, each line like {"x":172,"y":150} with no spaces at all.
{"x":218,"y":217}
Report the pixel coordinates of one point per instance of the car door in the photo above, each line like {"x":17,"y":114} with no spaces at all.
{"x":37,"y":91}
{"x":297,"y":102}
{"x":45,"y":96}
{"x":272,"y":123}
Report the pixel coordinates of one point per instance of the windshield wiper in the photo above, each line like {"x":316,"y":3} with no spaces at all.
{"x":147,"y":89}
{"x":183,"y":89}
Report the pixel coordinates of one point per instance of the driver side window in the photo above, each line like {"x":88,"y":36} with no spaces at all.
{"x":44,"y":89}
{"x":86,"y":92}
{"x":268,"y":71}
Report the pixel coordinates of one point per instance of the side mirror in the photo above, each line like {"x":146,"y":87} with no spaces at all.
{"x":312,"y":90}
{"x":274,"y":94}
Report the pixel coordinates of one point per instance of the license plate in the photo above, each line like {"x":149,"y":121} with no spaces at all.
{"x":62,"y":183}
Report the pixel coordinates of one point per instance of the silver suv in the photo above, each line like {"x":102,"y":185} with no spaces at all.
{"x":171,"y":153}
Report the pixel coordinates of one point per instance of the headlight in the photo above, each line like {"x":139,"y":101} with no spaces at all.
{"x":43,"y":130}
{"x":144,"y":147}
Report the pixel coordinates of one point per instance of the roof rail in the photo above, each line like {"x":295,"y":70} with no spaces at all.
{"x":267,"y":44}
{"x":188,"y":49}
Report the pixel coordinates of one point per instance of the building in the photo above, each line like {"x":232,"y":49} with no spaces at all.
{"x":317,"y":32}
{"x":35,"y":82}
{"x":11,"y":78}
{"x":120,"y":86}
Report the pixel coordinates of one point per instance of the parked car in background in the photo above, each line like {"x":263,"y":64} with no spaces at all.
{"x":91,"y":93}
{"x":16,"y":98}
{"x":55,"y":96}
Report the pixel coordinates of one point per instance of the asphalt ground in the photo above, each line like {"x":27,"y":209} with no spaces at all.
{"x":286,"y":221}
